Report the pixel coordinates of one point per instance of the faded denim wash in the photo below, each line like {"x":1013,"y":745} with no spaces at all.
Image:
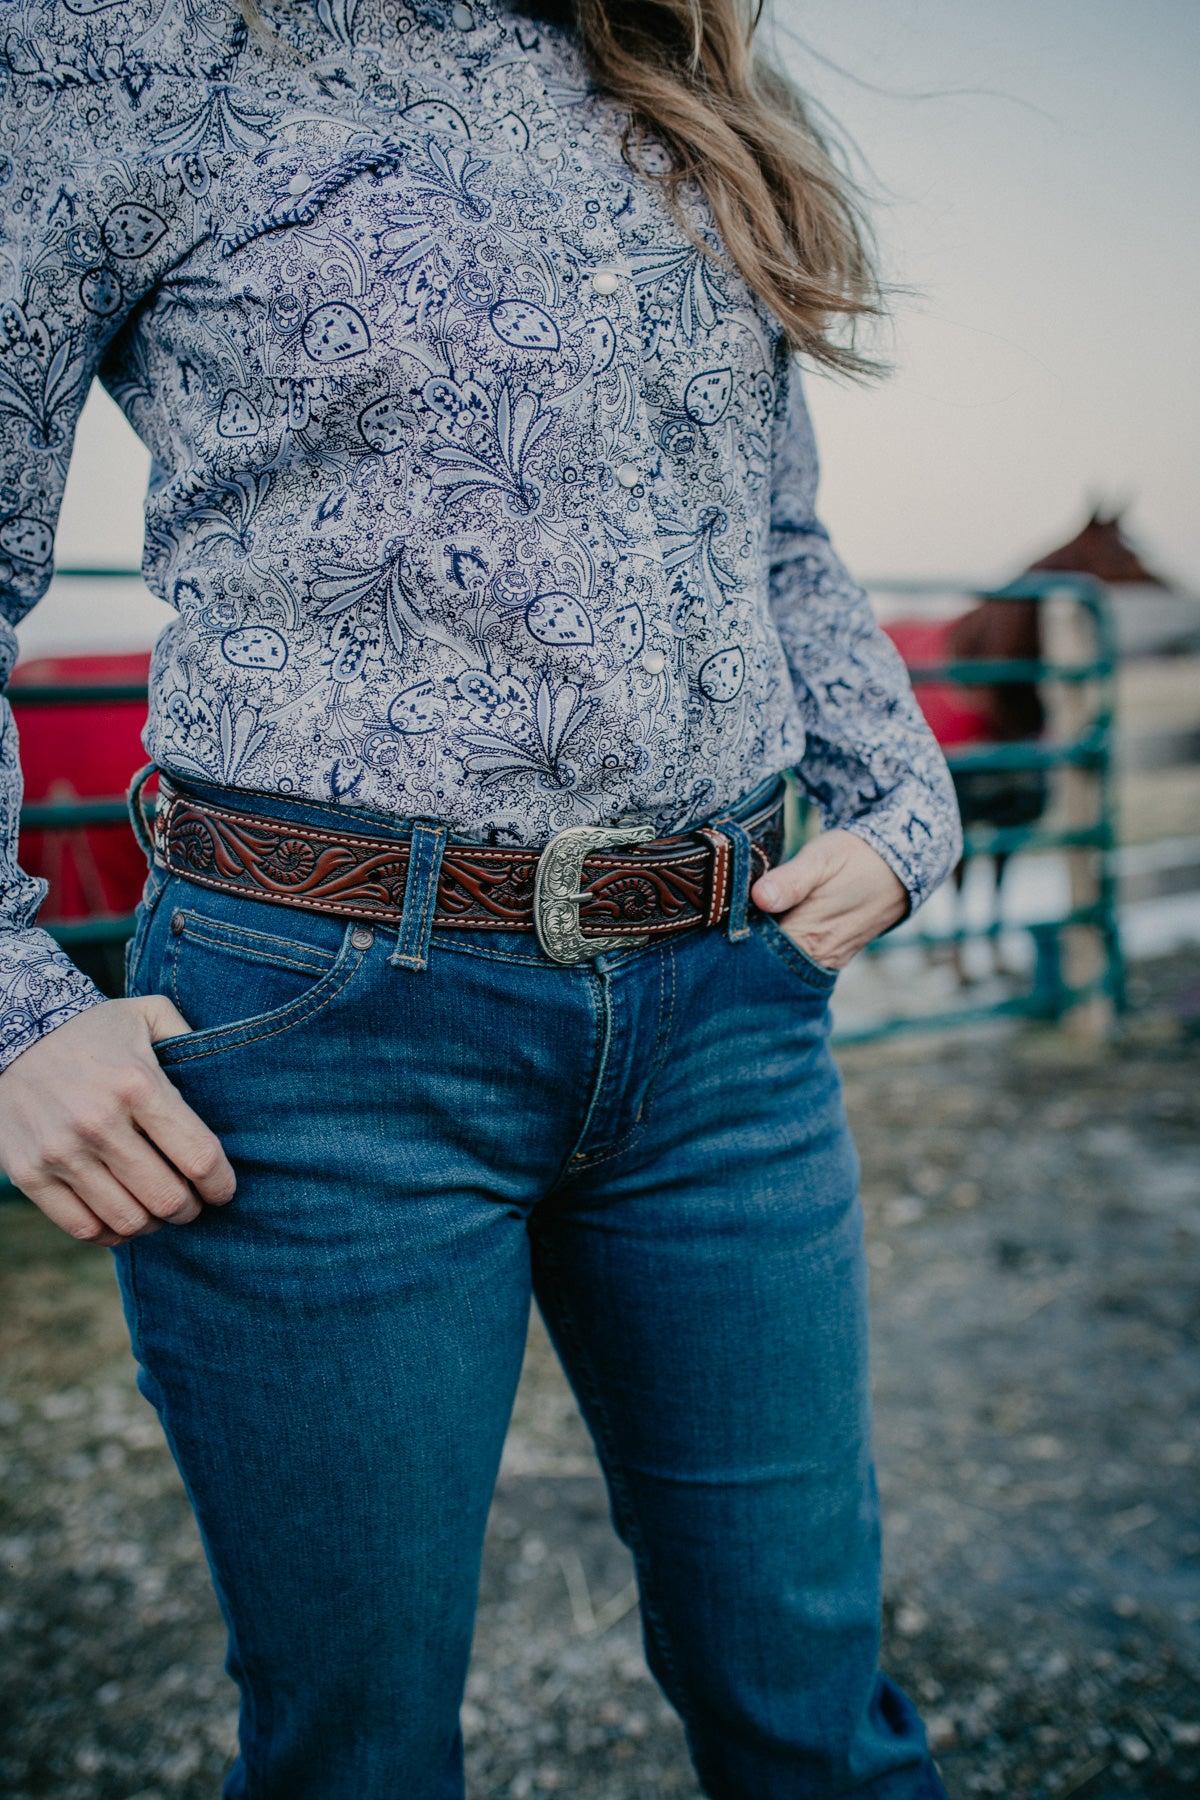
{"x":655,"y":1147}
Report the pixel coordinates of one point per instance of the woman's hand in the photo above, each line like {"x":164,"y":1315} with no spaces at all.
{"x":835,"y":895}
{"x":94,"y":1133}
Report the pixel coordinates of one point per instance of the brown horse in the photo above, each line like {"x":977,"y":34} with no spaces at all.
{"x":1151,"y":615}
{"x":972,"y":716}
{"x":1011,"y":711}
{"x":1101,"y":550}
{"x":1011,"y":629}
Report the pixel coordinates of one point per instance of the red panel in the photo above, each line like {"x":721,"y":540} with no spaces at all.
{"x":955,"y":714}
{"x":82,"y":752}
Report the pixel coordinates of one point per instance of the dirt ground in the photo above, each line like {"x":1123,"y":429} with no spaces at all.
{"x":1034,"y":1228}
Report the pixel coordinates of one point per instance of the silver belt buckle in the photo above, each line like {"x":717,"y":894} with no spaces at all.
{"x":556,"y":893}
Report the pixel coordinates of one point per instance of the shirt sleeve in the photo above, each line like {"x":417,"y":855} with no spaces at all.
{"x":871,"y":763}
{"x":62,"y":300}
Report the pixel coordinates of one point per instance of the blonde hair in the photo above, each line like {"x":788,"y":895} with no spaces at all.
{"x":690,"y":76}
{"x":689,"y":73}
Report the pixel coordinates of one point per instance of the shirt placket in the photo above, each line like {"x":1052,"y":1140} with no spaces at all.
{"x":627,"y":453}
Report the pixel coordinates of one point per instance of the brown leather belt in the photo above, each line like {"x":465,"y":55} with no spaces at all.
{"x":589,"y":887}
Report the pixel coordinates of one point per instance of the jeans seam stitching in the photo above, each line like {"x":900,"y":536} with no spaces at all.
{"x":281,"y":962}
{"x":624,"y":1144}
{"x":603,"y":1038}
{"x":615,"y":1474}
{"x":135,"y":949}
{"x":488,"y":955}
{"x":135,"y":1291}
{"x":171,"y":962}
{"x":259,"y":1711}
{"x":198,"y":924}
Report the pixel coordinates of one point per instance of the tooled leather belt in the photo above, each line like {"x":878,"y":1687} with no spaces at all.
{"x":590,"y":888}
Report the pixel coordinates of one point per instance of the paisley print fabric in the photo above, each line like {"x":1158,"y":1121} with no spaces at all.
{"x":479,"y":492}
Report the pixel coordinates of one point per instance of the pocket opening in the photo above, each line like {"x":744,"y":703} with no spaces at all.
{"x":776,"y":942}
{"x":325,"y":986}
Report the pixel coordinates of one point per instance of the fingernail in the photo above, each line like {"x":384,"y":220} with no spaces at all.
{"x":766,"y":893}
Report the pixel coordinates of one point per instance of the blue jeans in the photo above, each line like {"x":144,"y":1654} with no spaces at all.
{"x":655,"y":1147}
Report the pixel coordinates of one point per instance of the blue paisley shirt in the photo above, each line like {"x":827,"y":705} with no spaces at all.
{"x":480,"y":493}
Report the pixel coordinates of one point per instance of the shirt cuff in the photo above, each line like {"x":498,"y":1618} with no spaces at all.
{"x":40,"y":989}
{"x":919,"y":850}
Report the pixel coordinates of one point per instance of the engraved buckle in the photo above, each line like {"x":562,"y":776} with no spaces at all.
{"x":556,"y":891}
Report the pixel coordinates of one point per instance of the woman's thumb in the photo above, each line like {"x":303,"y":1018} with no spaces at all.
{"x":791,"y":882}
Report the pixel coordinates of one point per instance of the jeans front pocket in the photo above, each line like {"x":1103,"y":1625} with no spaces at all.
{"x":775,"y":940}
{"x":235,"y":979}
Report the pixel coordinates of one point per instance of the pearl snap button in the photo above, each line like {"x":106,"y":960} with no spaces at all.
{"x":628,"y":474}
{"x":462,"y":17}
{"x":547,"y":152}
{"x":300,"y":183}
{"x":653,"y":661}
{"x":604,"y":282}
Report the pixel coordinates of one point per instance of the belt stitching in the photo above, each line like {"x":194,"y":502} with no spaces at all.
{"x":403,"y":846}
{"x":372,"y":915}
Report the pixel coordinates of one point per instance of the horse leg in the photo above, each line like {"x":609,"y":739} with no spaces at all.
{"x":1000,"y":863}
{"x":956,"y":949}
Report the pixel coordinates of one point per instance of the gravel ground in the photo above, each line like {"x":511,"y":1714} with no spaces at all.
{"x":1034,"y":1217}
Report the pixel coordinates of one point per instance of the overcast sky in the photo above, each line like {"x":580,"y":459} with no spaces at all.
{"x":1044,"y":200}
{"x":1036,"y":169}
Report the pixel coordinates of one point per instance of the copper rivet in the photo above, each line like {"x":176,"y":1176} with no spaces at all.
{"x":362,"y":937}
{"x":177,"y":923}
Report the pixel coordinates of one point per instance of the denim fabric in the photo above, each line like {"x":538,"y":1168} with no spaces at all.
{"x":655,"y":1147}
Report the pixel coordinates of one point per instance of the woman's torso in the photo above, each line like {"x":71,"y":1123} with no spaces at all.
{"x":461,"y":448}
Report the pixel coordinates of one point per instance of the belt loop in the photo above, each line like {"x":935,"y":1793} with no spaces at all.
{"x":718,"y":886}
{"x":420,"y":897}
{"x":739,"y":879}
{"x":143,"y":826}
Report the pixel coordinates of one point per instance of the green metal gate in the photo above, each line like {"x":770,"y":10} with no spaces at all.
{"x":1081,"y":751}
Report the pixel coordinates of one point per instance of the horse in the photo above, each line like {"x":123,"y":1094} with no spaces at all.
{"x":966,"y":717}
{"x":992,"y":630}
